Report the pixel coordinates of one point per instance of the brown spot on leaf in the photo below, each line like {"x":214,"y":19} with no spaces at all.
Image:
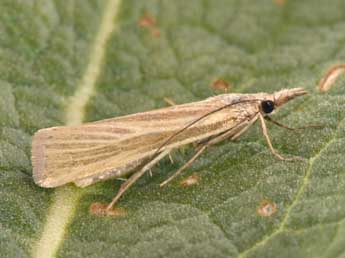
{"x":280,"y":2}
{"x":220,"y":84}
{"x":100,"y":210}
{"x":149,"y":22}
{"x":191,"y":180}
{"x":267,"y":208}
{"x":331,"y":76}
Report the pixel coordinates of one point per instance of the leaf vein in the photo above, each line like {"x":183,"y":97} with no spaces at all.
{"x":300,"y":191}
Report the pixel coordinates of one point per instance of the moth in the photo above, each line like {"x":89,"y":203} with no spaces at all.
{"x":116,"y":147}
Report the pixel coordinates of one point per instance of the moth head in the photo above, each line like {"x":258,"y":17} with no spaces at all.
{"x":279,"y":98}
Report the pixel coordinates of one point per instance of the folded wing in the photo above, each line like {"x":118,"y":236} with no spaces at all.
{"x":91,"y":152}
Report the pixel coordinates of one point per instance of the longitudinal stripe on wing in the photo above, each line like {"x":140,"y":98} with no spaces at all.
{"x":82,"y":133}
{"x":114,"y":129}
{"x":170,"y":113}
{"x":141,"y":143}
{"x":150,"y":140}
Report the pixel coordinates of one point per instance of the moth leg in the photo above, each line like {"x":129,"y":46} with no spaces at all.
{"x":121,"y":179}
{"x":186,"y":165}
{"x":169,"y":101}
{"x":131,"y":180}
{"x":290,"y":128}
{"x":204,"y":145}
{"x":234,"y":136}
{"x":231,"y":133}
{"x":274,"y":152}
{"x":171,"y":159}
{"x":223,"y":136}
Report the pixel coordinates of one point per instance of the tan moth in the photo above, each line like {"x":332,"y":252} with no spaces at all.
{"x":133,"y":144}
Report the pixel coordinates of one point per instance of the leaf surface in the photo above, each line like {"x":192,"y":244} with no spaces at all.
{"x":67,"y":62}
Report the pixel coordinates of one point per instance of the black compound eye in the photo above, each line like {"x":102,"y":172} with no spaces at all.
{"x":267,"y":106}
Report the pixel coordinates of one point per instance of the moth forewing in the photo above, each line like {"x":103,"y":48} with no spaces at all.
{"x":91,"y":152}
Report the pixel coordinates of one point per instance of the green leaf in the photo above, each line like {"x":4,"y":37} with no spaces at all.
{"x":65,"y":62}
